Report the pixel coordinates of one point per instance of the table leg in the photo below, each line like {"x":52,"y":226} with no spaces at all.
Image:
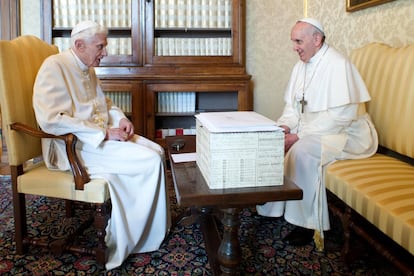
{"x":229,"y":252}
{"x":212,"y":237}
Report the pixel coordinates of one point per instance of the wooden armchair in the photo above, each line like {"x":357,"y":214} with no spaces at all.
{"x":20,"y":60}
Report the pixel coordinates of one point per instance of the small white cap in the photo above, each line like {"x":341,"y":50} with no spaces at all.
{"x":314,"y":23}
{"x":82,"y":26}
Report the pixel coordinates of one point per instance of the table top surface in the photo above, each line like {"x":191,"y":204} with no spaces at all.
{"x":192,"y":190}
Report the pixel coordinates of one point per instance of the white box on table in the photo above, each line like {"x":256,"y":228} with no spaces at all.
{"x":239,"y":149}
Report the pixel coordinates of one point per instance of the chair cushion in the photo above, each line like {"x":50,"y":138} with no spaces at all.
{"x":381,"y":189}
{"x":38,"y":180}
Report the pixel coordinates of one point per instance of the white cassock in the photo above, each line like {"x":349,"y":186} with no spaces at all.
{"x":68,"y":98}
{"x":333,"y":126}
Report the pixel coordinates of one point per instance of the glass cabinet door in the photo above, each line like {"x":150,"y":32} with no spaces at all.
{"x":196,"y":31}
{"x":121,"y":17}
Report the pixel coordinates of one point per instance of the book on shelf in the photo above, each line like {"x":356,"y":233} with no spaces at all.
{"x":121,"y":99}
{"x":176,"y":102}
{"x":172,"y":13}
{"x":173,"y":46}
{"x":161,"y":133}
{"x":181,"y":13}
{"x":114,"y":13}
{"x":193,"y":14}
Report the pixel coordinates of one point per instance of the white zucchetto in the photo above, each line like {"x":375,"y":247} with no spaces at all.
{"x":314,"y":23}
{"x":82,"y":26}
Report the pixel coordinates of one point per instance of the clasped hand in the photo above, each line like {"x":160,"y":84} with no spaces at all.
{"x":290,"y":138}
{"x":123,"y":133}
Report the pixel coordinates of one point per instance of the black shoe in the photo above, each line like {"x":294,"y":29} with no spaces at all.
{"x":299,"y":236}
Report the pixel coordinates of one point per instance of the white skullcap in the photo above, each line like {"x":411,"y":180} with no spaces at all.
{"x":82,"y":26}
{"x":313,"y":22}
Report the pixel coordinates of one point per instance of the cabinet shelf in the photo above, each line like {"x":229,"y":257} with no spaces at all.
{"x":112,"y":32}
{"x":192,"y":33}
{"x":175,"y":114}
{"x":188,"y":114}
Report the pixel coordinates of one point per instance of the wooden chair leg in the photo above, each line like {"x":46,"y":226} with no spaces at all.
{"x":69,"y":208}
{"x":19,"y":211}
{"x":344,"y":214}
{"x":346,"y":221}
{"x":101,"y":221}
{"x":20,"y":224}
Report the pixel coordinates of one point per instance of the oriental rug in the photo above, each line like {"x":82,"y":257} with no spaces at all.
{"x":183,"y":251}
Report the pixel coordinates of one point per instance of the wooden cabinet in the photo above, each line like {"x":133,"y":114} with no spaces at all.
{"x":159,"y":47}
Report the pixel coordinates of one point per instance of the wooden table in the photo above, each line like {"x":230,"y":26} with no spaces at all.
{"x":224,"y":253}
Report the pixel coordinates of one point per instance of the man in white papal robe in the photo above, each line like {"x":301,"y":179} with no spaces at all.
{"x":324,"y":120}
{"x":68,"y":98}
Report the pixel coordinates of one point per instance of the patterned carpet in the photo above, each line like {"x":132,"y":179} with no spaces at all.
{"x":183,"y":252}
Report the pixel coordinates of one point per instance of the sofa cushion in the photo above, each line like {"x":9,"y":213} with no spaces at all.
{"x":381,"y":189}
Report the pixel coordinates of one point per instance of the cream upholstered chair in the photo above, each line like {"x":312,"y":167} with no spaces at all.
{"x":20,"y":60}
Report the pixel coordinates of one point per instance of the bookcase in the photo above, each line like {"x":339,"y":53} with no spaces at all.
{"x":161,"y":51}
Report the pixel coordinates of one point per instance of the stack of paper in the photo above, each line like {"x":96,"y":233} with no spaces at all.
{"x":239,"y":149}
{"x":236,"y":121}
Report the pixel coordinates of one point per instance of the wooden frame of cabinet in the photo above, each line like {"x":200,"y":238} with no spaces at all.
{"x":9,"y":19}
{"x":215,"y":84}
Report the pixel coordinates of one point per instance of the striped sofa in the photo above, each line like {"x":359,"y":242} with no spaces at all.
{"x":379,"y":191}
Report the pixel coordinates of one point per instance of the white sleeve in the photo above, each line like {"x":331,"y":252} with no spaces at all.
{"x":53,"y":106}
{"x":332,"y":121}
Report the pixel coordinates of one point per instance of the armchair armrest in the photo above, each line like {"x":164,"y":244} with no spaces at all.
{"x":80,"y":175}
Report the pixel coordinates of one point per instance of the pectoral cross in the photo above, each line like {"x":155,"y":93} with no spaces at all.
{"x":303,"y":102}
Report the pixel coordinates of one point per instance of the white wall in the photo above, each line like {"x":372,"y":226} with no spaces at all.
{"x":269,"y":55}
{"x":391,"y":23}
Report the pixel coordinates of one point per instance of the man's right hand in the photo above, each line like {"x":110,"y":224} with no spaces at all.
{"x":116,"y":134}
{"x":290,"y":139}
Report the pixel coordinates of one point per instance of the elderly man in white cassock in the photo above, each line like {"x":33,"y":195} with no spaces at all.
{"x":68,"y":98}
{"x":324,"y":120}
